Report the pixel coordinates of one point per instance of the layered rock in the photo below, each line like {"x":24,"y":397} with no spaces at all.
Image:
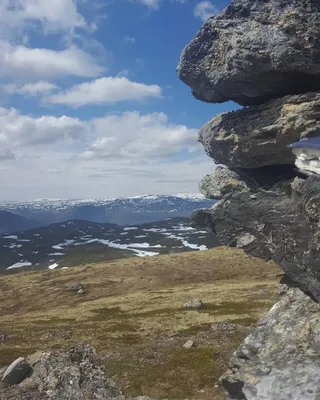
{"x":280,"y":359}
{"x":265,"y":54}
{"x":255,"y":50}
{"x":259,"y":135}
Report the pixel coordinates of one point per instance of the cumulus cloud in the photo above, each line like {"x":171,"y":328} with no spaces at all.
{"x":115,"y":155}
{"x":20,"y":62}
{"x":128,"y":136}
{"x":53,"y":15}
{"x":132,"y":135}
{"x":30,"y":89}
{"x":18,"y":131}
{"x":205,"y":9}
{"x":105,"y":90}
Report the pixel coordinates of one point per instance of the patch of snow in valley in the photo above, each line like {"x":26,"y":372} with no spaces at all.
{"x":14,"y":246}
{"x":157,"y":230}
{"x":139,"y":253}
{"x":143,"y":245}
{"x":130,"y":228}
{"x":67,"y":242}
{"x":20,"y":265}
{"x":53,"y":266}
{"x":194,"y":246}
{"x":56,"y":254}
{"x":140,"y":236}
{"x":124,"y":233}
{"x":10,"y":237}
{"x":182,"y":228}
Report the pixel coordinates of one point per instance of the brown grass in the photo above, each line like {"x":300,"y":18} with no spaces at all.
{"x":132,"y":313}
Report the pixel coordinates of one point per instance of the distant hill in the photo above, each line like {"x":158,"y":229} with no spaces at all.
{"x":75,"y":242}
{"x":10,"y":222}
{"x":120,"y":211}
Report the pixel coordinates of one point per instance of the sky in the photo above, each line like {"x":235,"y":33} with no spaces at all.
{"x":90,"y":102}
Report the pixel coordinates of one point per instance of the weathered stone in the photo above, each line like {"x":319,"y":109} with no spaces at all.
{"x":280,"y":360}
{"x":16,"y":372}
{"x":3,"y":337}
{"x":274,"y":225}
{"x":78,"y":374}
{"x":259,"y":135}
{"x":75,"y":287}
{"x":197,"y":303}
{"x":254,"y":51}
{"x":189,"y":344}
{"x":221,"y":182}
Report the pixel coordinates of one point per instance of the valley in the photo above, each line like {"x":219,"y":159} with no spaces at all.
{"x":132,"y":311}
{"x":77,"y":242}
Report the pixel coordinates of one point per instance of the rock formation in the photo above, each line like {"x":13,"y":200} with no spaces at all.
{"x":77,"y":374}
{"x":265,"y":55}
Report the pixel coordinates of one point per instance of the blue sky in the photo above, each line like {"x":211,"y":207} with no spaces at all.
{"x":90,"y":102}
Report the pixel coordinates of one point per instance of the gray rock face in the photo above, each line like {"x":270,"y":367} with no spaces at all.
{"x":258,"y":136}
{"x":280,"y":359}
{"x":220,"y":183}
{"x":254,"y":51}
{"x":16,"y":372}
{"x":274,"y":225}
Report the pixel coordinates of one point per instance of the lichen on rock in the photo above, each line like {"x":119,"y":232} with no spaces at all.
{"x":254,"y":51}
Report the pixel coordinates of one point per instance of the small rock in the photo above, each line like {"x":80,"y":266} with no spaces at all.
{"x":189,"y":344}
{"x":75,"y":287}
{"x":16,"y":372}
{"x":194,"y":304}
{"x":3,"y":337}
{"x":81,"y":291}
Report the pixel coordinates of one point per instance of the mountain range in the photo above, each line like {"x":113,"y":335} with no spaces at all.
{"x":120,"y":211}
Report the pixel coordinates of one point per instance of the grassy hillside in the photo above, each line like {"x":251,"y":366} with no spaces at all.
{"x":132,"y":312}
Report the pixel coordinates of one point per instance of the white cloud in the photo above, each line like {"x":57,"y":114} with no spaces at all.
{"x":129,"y":39}
{"x":132,"y":135}
{"x":23,"y":63}
{"x":53,"y":15}
{"x":105,"y":90}
{"x":30,"y":89}
{"x":205,"y":9}
{"x":18,"y":131}
{"x":155,"y":4}
{"x":126,"y":136}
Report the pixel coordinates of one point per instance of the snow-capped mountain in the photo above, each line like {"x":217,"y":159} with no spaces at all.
{"x":121,"y":211}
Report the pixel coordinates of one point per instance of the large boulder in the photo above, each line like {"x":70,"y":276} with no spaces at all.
{"x":273,"y":224}
{"x":77,"y":374}
{"x":255,"y":50}
{"x":280,"y":359}
{"x":259,"y":135}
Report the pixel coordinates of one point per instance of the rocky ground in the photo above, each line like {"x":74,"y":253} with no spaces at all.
{"x":265,"y":56}
{"x":137,"y":315}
